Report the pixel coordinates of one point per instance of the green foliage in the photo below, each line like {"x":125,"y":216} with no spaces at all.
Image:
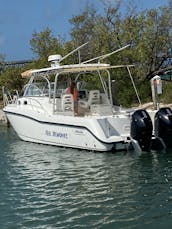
{"x":148,"y":32}
{"x":11,"y":79}
{"x":166,"y":96}
{"x":44,"y":44}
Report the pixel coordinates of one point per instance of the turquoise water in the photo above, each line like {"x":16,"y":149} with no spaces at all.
{"x":50,"y":187}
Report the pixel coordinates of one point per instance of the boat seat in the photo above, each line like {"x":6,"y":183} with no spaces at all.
{"x":93,"y":98}
{"x":67,"y":102}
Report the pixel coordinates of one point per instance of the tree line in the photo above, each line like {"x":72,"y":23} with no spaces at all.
{"x":148,"y":32}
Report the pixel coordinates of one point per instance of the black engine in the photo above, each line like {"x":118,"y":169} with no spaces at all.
{"x":141,"y":129}
{"x":163,"y":125}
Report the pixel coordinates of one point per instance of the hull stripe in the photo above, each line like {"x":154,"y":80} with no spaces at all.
{"x":61,"y":124}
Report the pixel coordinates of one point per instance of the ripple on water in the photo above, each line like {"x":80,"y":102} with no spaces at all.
{"x":50,"y":187}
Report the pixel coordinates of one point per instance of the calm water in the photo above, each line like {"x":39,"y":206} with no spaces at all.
{"x":50,"y":187}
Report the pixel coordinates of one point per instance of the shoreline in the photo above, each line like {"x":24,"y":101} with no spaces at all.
{"x":3,"y":119}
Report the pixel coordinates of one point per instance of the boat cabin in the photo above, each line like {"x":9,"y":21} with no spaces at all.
{"x":82,"y":93}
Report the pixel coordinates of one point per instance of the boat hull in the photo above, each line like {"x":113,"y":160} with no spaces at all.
{"x":58,"y":134}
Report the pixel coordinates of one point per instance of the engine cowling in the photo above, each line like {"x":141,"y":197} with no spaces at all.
{"x":163,"y":125}
{"x":141,"y":129}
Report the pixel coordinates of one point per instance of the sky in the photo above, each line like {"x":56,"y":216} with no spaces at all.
{"x":20,"y":18}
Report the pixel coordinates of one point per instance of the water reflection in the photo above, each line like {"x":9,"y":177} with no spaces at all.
{"x":51,"y":187}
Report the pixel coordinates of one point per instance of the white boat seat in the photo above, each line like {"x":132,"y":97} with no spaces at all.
{"x":93,"y":98}
{"x":67,"y":102}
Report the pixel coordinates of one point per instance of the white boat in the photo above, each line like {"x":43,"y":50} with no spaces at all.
{"x":47,"y":113}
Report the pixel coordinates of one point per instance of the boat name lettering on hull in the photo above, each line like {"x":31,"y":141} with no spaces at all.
{"x":56,"y":134}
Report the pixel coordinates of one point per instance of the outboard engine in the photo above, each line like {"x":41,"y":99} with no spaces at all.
{"x":141,"y":129}
{"x":163,"y":125}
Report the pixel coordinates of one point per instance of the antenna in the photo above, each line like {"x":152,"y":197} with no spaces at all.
{"x":106,"y":55}
{"x":73,"y":51}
